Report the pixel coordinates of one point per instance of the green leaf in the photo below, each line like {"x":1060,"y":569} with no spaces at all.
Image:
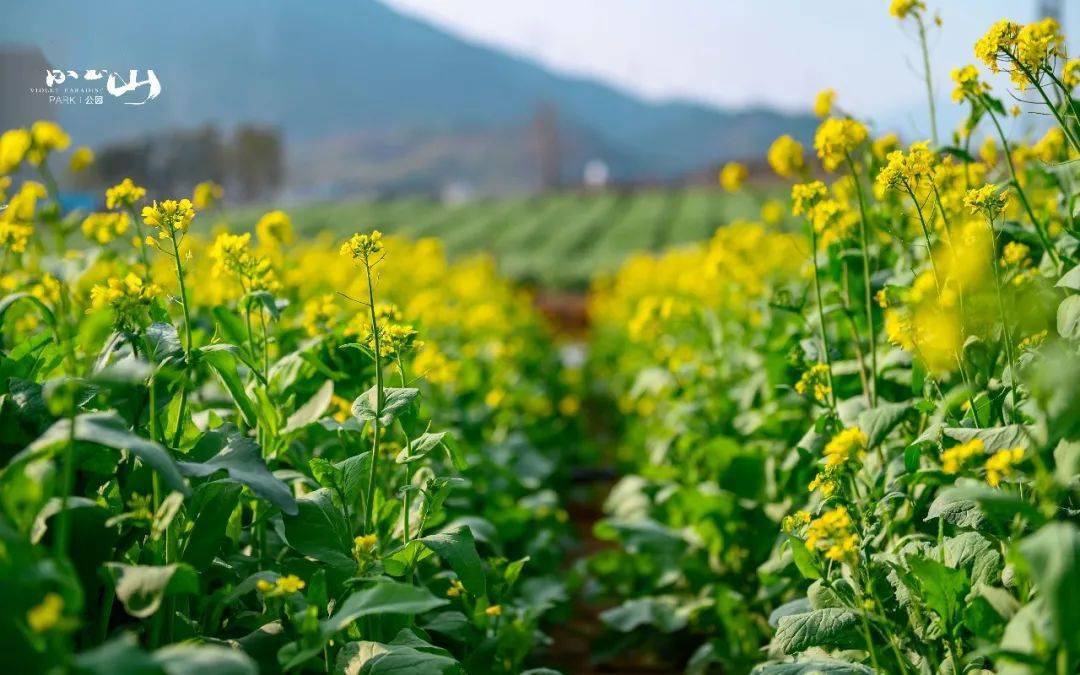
{"x":458,"y":548}
{"x":311,"y":411}
{"x":319,"y":530}
{"x":666,"y":613}
{"x":1071,"y":279}
{"x":406,"y":653}
{"x":943,"y":589}
{"x":222,"y":358}
{"x":241,"y":459}
{"x":141,"y":588}
{"x":818,"y":666}
{"x":804,"y":559}
{"x":994,"y":438}
{"x":395,"y":400}
{"x":384,"y":597}
{"x":164,"y":341}
{"x":969,"y":504}
{"x":975,"y":551}
{"x":252,"y":300}
{"x":212,"y":506}
{"x":109,"y":430}
{"x":422,"y":445}
{"x":1068,"y":318}
{"x":1053,"y":559}
{"x":196,"y":659}
{"x":829,"y":627}
{"x":9,"y":300}
{"x":877,"y":422}
{"x":119,"y":656}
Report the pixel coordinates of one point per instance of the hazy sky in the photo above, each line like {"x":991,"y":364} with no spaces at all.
{"x":738,"y":52}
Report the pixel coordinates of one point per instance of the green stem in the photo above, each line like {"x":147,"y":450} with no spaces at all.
{"x":1043,"y":237}
{"x":1005,"y":336}
{"x":821,"y":316}
{"x":369,"y":497}
{"x":927,"y":78}
{"x":868,"y":291}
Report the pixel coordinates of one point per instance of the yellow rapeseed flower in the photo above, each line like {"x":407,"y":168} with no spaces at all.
{"x":125,"y":194}
{"x":902,"y":8}
{"x":361,"y":247}
{"x":47,"y":615}
{"x":986,"y":200}
{"x":732,"y":176}
{"x":81,"y":159}
{"x":275,"y":228}
{"x":104,"y":227}
{"x":1001,"y":465}
{"x":171,"y":217}
{"x":954,"y":459}
{"x":206,"y":194}
{"x":836,"y":139}
{"x":967,"y":83}
{"x":286,"y":585}
{"x":834,"y":532}
{"x":823,"y":102}
{"x":786,"y":156}
{"x":14,"y":144}
{"x":46,"y":137}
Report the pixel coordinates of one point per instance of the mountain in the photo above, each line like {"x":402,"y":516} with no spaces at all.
{"x":347,"y":75}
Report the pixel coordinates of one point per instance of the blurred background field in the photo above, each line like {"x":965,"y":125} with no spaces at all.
{"x":557,"y":240}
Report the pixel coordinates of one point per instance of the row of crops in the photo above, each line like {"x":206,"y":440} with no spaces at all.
{"x":556,"y":240}
{"x":847,"y":445}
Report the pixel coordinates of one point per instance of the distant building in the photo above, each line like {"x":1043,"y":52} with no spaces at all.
{"x":596,"y":174}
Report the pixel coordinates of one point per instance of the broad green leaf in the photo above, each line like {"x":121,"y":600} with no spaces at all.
{"x":395,"y":400}
{"x":830,"y":627}
{"x":974,"y":550}
{"x":818,"y":666}
{"x":1068,"y":318}
{"x":141,"y":588}
{"x":164,"y":341}
{"x":9,"y":300}
{"x":877,"y":422}
{"x":384,"y":597}
{"x":223,"y":358}
{"x":458,"y":548}
{"x":1071,"y":279}
{"x":451,"y":623}
{"x":311,"y":411}
{"x":968,"y":504}
{"x":119,"y":656}
{"x":804,"y":560}
{"x":799,"y":606}
{"x":665,"y":613}
{"x":422,"y":445}
{"x":943,"y":589}
{"x":195,"y":659}
{"x":109,"y":430}
{"x":994,"y":438}
{"x":319,"y":530}
{"x":1053,"y":559}
{"x":253,"y":300}
{"x":241,"y":459}
{"x":211,"y":505}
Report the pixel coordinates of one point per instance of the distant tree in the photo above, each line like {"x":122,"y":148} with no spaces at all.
{"x":256,"y":163}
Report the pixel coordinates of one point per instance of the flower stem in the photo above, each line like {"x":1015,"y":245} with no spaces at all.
{"x":369,"y":497}
{"x":927,"y":78}
{"x":868,"y":291}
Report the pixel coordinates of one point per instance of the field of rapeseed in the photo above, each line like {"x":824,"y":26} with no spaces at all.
{"x":850,"y":445}
{"x":854,"y":448}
